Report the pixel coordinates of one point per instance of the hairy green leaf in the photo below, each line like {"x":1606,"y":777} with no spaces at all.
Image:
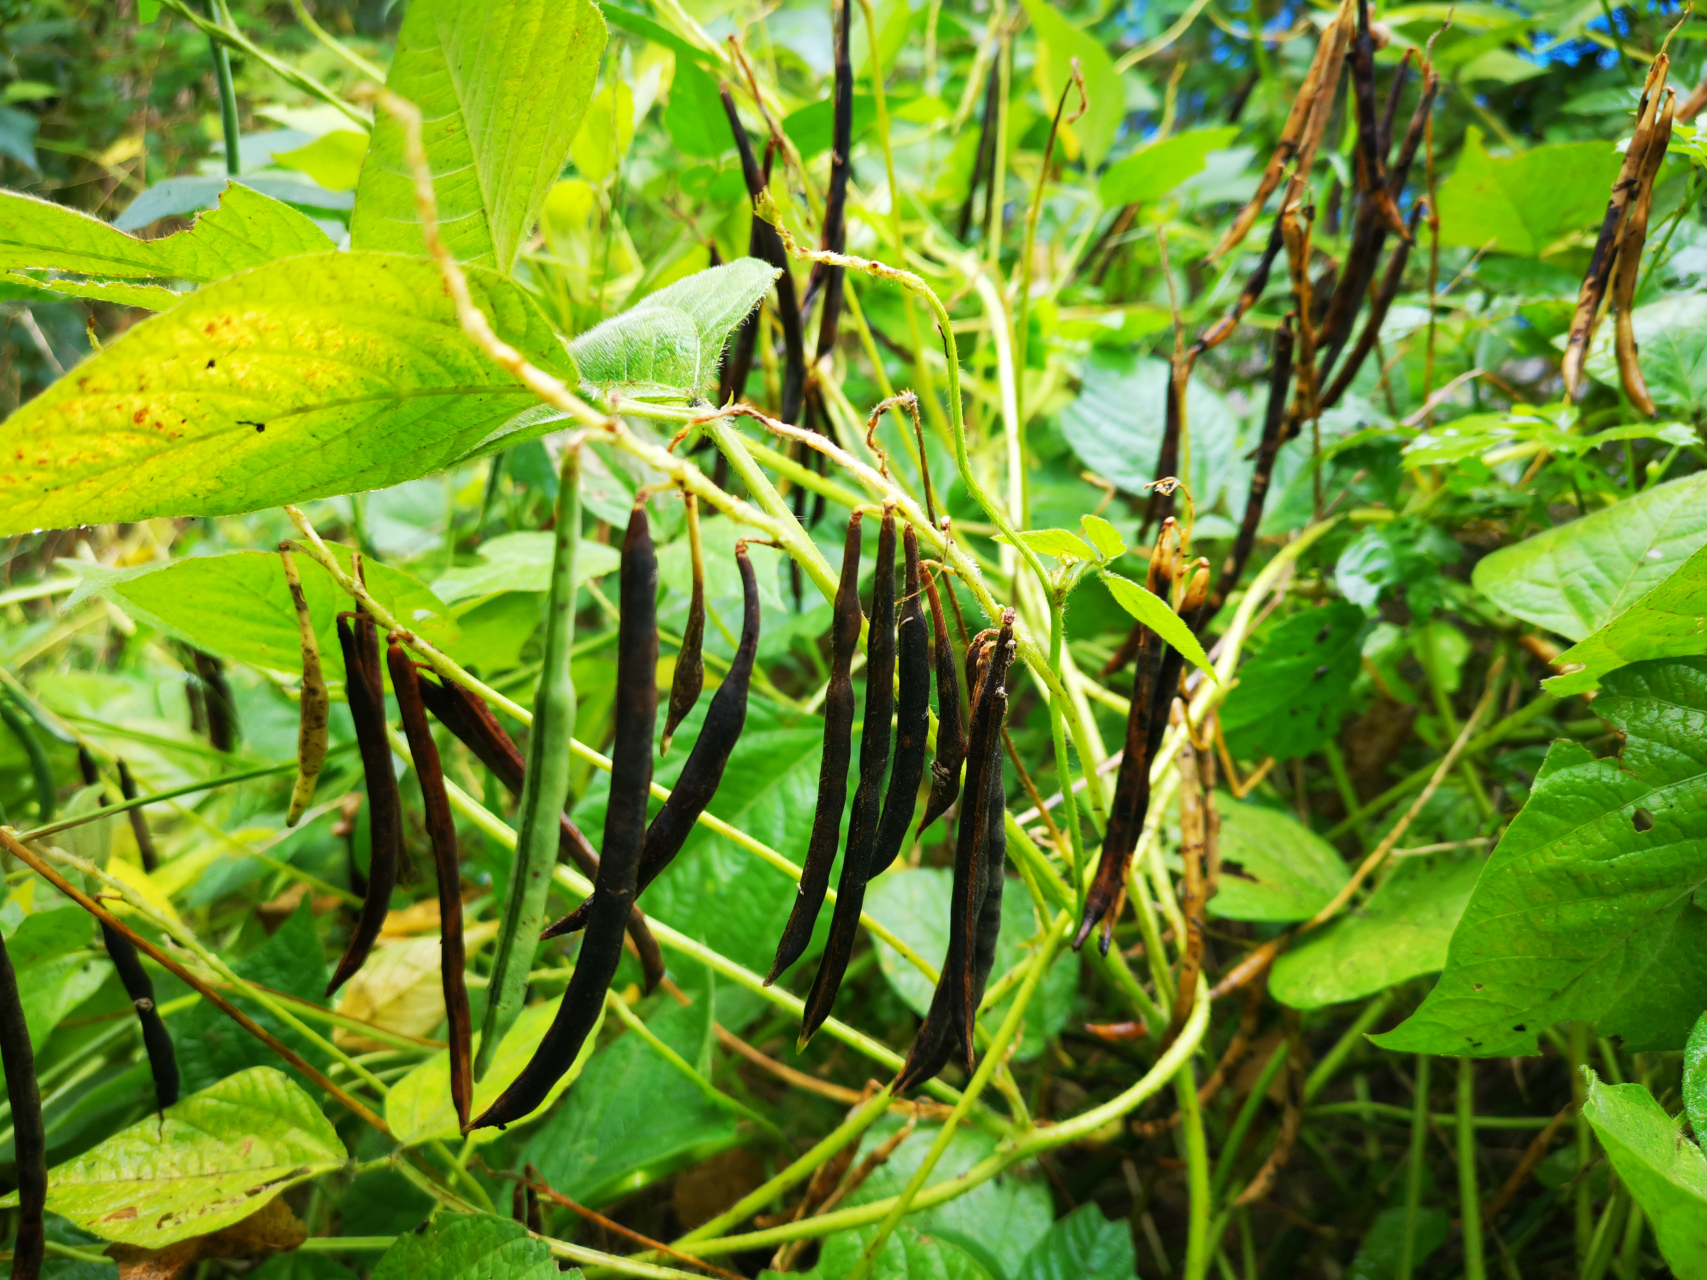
{"x":1664,"y":1171}
{"x":1400,"y":932}
{"x":1526,"y":203}
{"x":1104,"y":536}
{"x":202,"y":1164}
{"x":521,"y":561}
{"x":502,"y":88}
{"x":1273,"y":867}
{"x":1292,"y":695}
{"x":301,"y":379}
{"x":670,"y":345}
{"x":1576,"y":578}
{"x":1587,"y":908}
{"x":419,"y":1107}
{"x":467,"y":1246}
{"x":1695,"y":1078}
{"x":1669,"y":622}
{"x":1061,"y":543}
{"x":1155,"y":613}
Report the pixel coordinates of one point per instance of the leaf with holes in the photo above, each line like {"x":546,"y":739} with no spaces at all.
{"x":1292,"y":694}
{"x":305,"y":378}
{"x":202,"y":1164}
{"x":1590,"y":907}
{"x":670,"y":345}
{"x":502,"y":89}
{"x":1273,"y":867}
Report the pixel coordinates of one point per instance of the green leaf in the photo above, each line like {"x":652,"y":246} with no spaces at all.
{"x":238,"y":606}
{"x":906,"y":1255}
{"x":1585,"y":909}
{"x":1084,"y":1245}
{"x":914,"y":905}
{"x":1061,"y":543}
{"x":502,"y":88}
{"x":694,"y":116}
{"x":202,"y":1164}
{"x":1577,"y":577}
{"x":467,"y":1246}
{"x":1671,"y":334}
{"x":1153,"y":612}
{"x":1103,"y":536}
{"x":1380,"y":1251}
{"x":56,"y":970}
{"x":118,"y":293}
{"x":1061,"y":42}
{"x":1153,"y":171}
{"x":670,"y":345}
{"x":419,"y":1107}
{"x":812,"y":128}
{"x":1273,"y":867}
{"x":247,"y":230}
{"x":634,"y":1118}
{"x":1669,"y":622}
{"x":334,"y":159}
{"x":1400,"y":932}
{"x":1529,"y":203}
{"x":521,"y":562}
{"x":717,"y":536}
{"x":301,"y":379}
{"x":606,"y":132}
{"x":1695,"y":1078}
{"x":1291,"y":696}
{"x":1665,"y":1172}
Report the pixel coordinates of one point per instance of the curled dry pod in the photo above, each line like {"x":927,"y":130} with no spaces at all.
{"x":156,"y":1040}
{"x":950,"y":733}
{"x":468,"y":717}
{"x":311,"y":722}
{"x":833,"y":769}
{"x":1629,"y":269}
{"x":29,"y":1137}
{"x":689,"y":677}
{"x":703,"y":772}
{"x":913,"y":716}
{"x":441,"y":831}
{"x":975,"y":908}
{"x":863,"y":817}
{"x":625,"y":832}
{"x":385,"y":810}
{"x":1273,"y":436}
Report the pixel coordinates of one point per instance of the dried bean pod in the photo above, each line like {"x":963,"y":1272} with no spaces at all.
{"x":863,"y":818}
{"x":833,"y":768}
{"x":468,"y":717}
{"x":1371,"y":153}
{"x":1273,"y":436}
{"x":950,"y":733}
{"x":385,"y":810}
{"x":316,"y":704}
{"x":29,"y":1137}
{"x":441,"y":831}
{"x":913,"y":722}
{"x":1389,"y":290}
{"x":138,"y":820}
{"x":826,"y":277}
{"x":156,"y":1040}
{"x":216,"y":694}
{"x":625,"y":832}
{"x":689,"y":677}
{"x":1629,"y":269}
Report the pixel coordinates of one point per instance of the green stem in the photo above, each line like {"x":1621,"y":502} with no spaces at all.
{"x":545,"y":787}
{"x":1335,"y":1057}
{"x":1414,"y":1171}
{"x":1243,"y":1121}
{"x":1582,"y":1190}
{"x":1198,"y":1243}
{"x":231,"y":38}
{"x":108,"y":811}
{"x":1469,"y":1202}
{"x":1606,"y":1234}
{"x":227,"y":93}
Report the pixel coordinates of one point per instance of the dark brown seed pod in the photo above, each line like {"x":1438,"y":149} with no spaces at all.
{"x":984,"y":157}
{"x":138,"y":820}
{"x":1273,"y":436}
{"x":833,"y":768}
{"x":1222,"y":329}
{"x":1629,"y":268}
{"x":765,"y":243}
{"x":826,"y":277}
{"x":875,"y":733}
{"x":980,"y":850}
{"x":29,"y":1137}
{"x":385,"y":809}
{"x":703,"y":772}
{"x":689,"y":677}
{"x":216,"y":696}
{"x":468,"y":717}
{"x":1390,"y":109}
{"x":156,"y":1040}
{"x":950,"y":733}
{"x":625,"y":833}
{"x":913,"y":716}
{"x":1371,"y":153}
{"x":1384,"y":296}
{"x":441,"y":831}
{"x":1160,"y":505}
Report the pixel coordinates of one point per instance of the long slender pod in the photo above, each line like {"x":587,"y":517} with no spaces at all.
{"x":29,"y":1137}
{"x":441,"y":831}
{"x":156,"y":1040}
{"x":1371,"y":151}
{"x":138,"y":819}
{"x":545,"y":786}
{"x":1273,"y":436}
{"x":689,"y":677}
{"x":846,"y":617}
{"x":385,"y":810}
{"x":913,"y":715}
{"x":950,"y":733}
{"x":1630,"y":262}
{"x":835,"y":236}
{"x":221,"y":709}
{"x":316,"y":704}
{"x":1378,"y":309}
{"x":625,"y":832}
{"x":703,"y":772}
{"x":468,"y":717}
{"x":875,"y":733}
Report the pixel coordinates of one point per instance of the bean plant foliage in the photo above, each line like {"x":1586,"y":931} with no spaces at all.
{"x":913,"y":638}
